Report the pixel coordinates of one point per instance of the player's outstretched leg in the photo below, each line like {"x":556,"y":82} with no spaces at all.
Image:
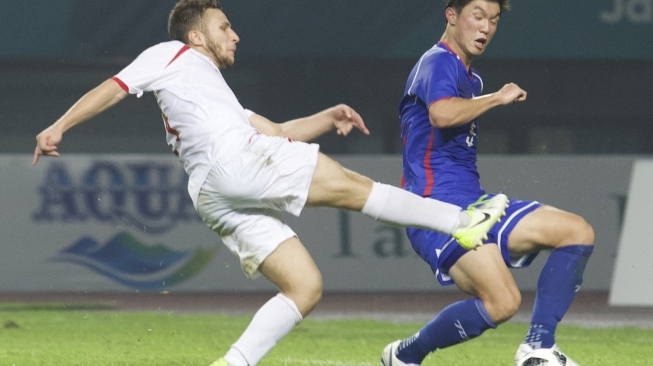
{"x":484,"y":214}
{"x":334,"y":186}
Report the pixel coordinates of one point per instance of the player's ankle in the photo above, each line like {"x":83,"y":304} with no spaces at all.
{"x":235,"y":358}
{"x":464,"y":219}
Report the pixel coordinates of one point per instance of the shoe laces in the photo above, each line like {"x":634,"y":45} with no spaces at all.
{"x":481,"y":201}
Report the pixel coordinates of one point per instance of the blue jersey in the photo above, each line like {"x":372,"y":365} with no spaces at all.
{"x":439,"y":162}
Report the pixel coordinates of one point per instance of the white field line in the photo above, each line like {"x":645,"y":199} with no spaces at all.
{"x":304,"y":361}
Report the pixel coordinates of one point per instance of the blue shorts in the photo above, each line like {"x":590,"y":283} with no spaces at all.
{"x":441,"y":251}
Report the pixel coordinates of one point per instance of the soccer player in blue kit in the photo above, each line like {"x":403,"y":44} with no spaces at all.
{"x":439,"y":110}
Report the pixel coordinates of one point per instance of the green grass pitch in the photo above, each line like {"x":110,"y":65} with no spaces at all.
{"x":52,"y":335}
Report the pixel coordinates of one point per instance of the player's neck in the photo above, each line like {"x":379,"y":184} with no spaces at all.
{"x":454,"y":47}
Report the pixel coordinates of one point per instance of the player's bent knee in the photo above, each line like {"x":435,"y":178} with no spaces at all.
{"x":588,"y":233}
{"x":504,"y":312}
{"x":306,"y":295}
{"x":305,"y":288}
{"x":503,"y":306}
{"x":313,"y":289}
{"x":582,"y":233}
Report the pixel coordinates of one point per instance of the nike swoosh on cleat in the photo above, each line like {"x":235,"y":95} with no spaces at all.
{"x":487,"y":217}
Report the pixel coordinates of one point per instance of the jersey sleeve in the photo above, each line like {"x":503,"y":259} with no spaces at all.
{"x":436,"y":78}
{"x":151,"y":69}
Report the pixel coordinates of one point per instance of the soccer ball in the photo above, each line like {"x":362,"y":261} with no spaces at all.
{"x":543,"y":357}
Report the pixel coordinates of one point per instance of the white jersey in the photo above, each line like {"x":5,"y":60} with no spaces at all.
{"x":204,"y":121}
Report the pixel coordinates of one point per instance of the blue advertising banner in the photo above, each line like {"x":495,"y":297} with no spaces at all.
{"x":101,"y":223}
{"x":552,"y":29}
{"x":125,"y":223}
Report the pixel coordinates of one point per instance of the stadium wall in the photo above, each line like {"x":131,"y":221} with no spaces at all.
{"x":533,"y":29}
{"x":573,"y":106}
{"x":125,"y":222}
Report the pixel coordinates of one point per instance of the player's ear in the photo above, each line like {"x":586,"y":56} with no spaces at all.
{"x":195,"y":38}
{"x":451,"y":15}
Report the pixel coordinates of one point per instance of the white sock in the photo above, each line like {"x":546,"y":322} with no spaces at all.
{"x":398,"y":207}
{"x":271,"y":322}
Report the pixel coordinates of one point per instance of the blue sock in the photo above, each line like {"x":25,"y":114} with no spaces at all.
{"x":559,"y":281}
{"x":456,"y":323}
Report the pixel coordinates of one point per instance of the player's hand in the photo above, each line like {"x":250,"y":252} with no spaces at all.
{"x":511,"y":94}
{"x":46,"y":143}
{"x":345,"y":119}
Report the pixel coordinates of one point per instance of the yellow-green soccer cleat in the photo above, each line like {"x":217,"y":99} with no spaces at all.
{"x":484,"y":213}
{"x":220,"y":362}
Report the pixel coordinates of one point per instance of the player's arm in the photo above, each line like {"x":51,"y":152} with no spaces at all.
{"x":91,"y":104}
{"x":453,"y":112}
{"x":341,"y":117}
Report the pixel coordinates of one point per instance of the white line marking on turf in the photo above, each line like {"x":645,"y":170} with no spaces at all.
{"x":303,"y":361}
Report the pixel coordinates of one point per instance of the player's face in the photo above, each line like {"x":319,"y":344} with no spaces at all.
{"x":475,"y":26}
{"x":220,"y":38}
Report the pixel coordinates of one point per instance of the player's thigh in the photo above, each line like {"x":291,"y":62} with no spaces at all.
{"x":549,"y":228}
{"x":482,"y":273}
{"x":335,"y":186}
{"x":291,"y":268}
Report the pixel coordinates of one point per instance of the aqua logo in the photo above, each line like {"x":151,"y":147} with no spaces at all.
{"x":127,"y":261}
{"x":149,"y":196}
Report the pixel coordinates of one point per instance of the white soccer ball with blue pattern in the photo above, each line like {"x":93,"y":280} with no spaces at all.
{"x":543,"y":357}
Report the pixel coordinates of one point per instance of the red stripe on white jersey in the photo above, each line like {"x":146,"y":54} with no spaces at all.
{"x":121,"y":83}
{"x":181,"y":51}
{"x":170,"y":130}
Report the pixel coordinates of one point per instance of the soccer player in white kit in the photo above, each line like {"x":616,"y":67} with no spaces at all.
{"x":244,"y":170}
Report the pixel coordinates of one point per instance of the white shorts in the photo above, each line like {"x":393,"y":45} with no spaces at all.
{"x":242,"y":199}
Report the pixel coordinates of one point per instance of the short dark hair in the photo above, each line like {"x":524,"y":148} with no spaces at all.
{"x":458,"y":5}
{"x":186,"y":15}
